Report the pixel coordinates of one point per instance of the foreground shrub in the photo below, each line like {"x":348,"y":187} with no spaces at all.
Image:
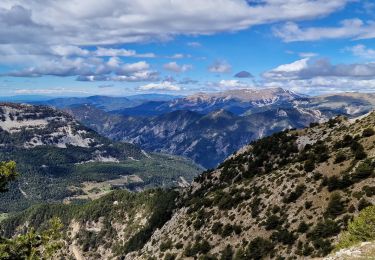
{"x":360,"y":229}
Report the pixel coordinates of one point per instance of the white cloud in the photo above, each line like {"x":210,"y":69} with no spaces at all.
{"x":137,"y":76}
{"x":322,"y":85}
{"x":173,"y":66}
{"x":69,"y":50}
{"x":95,"y":22}
{"x":38,"y":31}
{"x":232,"y":84}
{"x":162,"y":86}
{"x":177,"y":56}
{"x":350,"y":28}
{"x":362,"y":51}
{"x":287,"y":71}
{"x":308,"y":68}
{"x":311,"y":76}
{"x":103,"y":52}
{"x":90,"y":69}
{"x":228,"y":85}
{"x":307,"y":54}
{"x":49,"y":91}
{"x":220,"y":67}
{"x":194,"y":44}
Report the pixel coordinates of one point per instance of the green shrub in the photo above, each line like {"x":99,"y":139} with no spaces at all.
{"x":340,"y":157}
{"x":202,"y":247}
{"x":284,"y":236}
{"x":216,"y":228}
{"x":323,"y":246}
{"x":303,"y":227}
{"x":166,"y":245}
{"x":170,"y":257}
{"x":335,"y":206}
{"x":370,"y":191}
{"x":227,"y":253}
{"x":368,"y":132}
{"x":360,"y":229}
{"x":293,"y":196}
{"x":327,"y":228}
{"x":309,"y":165}
{"x":273,"y":222}
{"x":363,"y":171}
{"x":259,"y":248}
{"x":363,"y":203}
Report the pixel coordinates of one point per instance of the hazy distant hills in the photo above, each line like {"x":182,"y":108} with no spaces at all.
{"x":103,"y":102}
{"x":207,"y":127}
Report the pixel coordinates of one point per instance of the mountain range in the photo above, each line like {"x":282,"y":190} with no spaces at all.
{"x":288,"y":195}
{"x":208,"y":127}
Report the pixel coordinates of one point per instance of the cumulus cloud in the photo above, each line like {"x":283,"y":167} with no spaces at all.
{"x":220,"y":67}
{"x":362,"y":51}
{"x":49,"y":91}
{"x":243,"y":74}
{"x":228,"y":85}
{"x":119,"y":21}
{"x":111,"y":52}
{"x":37,"y":31}
{"x":162,"y":86}
{"x":173,"y":66}
{"x":307,"y":69}
{"x":90,"y":69}
{"x":320,"y":76}
{"x":68,"y":50}
{"x":350,"y":28}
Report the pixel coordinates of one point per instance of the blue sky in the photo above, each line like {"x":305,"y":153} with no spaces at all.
{"x":122,"y":47}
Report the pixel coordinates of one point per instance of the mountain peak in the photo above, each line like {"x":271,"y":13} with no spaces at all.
{"x":247,"y":95}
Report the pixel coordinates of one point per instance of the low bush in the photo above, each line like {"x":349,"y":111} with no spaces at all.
{"x":368,"y":132}
{"x":360,"y":229}
{"x":294,"y":195}
{"x":336,"y":206}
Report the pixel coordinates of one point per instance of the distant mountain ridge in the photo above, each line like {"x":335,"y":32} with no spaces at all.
{"x":159,"y":125}
{"x":235,"y":101}
{"x":107,"y":103}
{"x":205,"y":138}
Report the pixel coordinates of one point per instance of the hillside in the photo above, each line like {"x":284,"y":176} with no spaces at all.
{"x":60,"y":159}
{"x":287,"y":195}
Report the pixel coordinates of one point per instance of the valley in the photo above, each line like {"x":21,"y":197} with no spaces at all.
{"x":54,"y":152}
{"x":207,"y":128}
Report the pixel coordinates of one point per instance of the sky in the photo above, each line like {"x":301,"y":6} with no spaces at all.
{"x":179,"y":47}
